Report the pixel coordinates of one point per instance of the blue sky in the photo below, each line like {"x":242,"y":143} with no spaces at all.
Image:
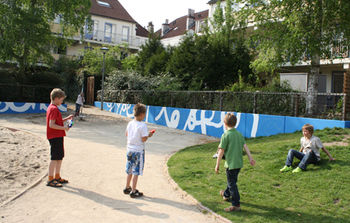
{"x":144,"y":11}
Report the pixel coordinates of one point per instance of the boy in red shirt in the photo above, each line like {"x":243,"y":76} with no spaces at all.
{"x":55,"y":131}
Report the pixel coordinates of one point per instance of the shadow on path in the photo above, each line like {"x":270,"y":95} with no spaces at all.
{"x":120,"y":205}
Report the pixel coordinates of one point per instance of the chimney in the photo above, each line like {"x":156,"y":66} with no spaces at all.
{"x":190,"y":19}
{"x":165,"y":27}
{"x":150,"y":27}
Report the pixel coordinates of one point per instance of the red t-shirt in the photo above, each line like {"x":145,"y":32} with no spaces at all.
{"x":53,"y":113}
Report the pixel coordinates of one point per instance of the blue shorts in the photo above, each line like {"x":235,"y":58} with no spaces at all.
{"x":135,"y":163}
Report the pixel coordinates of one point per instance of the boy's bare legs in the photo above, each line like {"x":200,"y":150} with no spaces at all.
{"x":52,"y":168}
{"x":134,"y":182}
{"x":58,"y":169}
{"x":52,"y":182}
{"x":128,"y":180}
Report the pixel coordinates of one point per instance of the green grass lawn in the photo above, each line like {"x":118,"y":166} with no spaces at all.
{"x":320,"y":194}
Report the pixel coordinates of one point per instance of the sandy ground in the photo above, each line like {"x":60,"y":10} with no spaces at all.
{"x":95,"y":166}
{"x":23,"y":159}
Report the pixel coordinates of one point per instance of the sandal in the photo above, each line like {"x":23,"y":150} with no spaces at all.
{"x":136,"y":194}
{"x":223,"y":196}
{"x":53,"y":183}
{"x":127,"y":190}
{"x":62,"y":181}
{"x":232,"y":209}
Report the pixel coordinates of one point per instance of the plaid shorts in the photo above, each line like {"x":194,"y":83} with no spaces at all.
{"x":135,"y":163}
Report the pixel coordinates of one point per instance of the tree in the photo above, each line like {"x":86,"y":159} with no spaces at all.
{"x":152,"y":57}
{"x":92,"y":60}
{"x":203,"y":64}
{"x":289,"y":30}
{"x":25,"y":28}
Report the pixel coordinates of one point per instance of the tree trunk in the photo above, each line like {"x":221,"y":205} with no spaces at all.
{"x":311,"y":99}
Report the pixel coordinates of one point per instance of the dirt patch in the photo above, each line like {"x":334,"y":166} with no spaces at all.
{"x":23,"y":158}
{"x":344,"y":142}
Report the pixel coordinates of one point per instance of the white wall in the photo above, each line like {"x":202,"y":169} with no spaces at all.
{"x":173,"y":41}
{"x":298,"y":81}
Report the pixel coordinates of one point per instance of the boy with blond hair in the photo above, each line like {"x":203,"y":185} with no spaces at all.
{"x":309,"y":151}
{"x":55,"y":131}
{"x":231,"y":145}
{"x":137,"y":134}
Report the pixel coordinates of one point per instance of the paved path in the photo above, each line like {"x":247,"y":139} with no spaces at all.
{"x":94,"y":164}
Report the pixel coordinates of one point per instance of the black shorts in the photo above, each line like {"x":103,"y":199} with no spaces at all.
{"x":57,"y":148}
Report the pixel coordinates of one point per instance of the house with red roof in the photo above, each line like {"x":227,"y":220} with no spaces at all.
{"x":111,"y":25}
{"x":172,"y":33}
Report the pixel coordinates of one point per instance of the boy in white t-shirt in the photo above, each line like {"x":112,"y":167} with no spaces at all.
{"x":309,"y":151}
{"x":137,"y":135}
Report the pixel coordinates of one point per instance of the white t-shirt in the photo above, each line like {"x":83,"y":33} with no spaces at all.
{"x":136,"y":130}
{"x":80,"y":100}
{"x":313,"y":144}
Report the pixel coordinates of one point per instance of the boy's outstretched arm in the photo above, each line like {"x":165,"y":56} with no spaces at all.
{"x":220,"y":154}
{"x":251,"y":160}
{"x":328,"y":154}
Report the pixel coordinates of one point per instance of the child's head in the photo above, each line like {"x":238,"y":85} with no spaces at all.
{"x":57,"y":96}
{"x":139,"y":111}
{"x":230,"y":120}
{"x":307,"y":130}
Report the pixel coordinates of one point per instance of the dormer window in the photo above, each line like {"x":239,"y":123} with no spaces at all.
{"x":104,"y":4}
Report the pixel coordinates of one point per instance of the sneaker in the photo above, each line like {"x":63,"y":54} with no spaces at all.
{"x":297,"y":170}
{"x":286,"y":169}
{"x":127,"y":190}
{"x":136,"y":194}
{"x":215,"y":156}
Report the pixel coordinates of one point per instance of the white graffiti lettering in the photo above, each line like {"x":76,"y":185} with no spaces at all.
{"x":174,"y":120}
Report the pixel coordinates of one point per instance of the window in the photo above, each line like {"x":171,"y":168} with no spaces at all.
{"x":108,"y":32}
{"x":125,"y":36}
{"x":60,"y":50}
{"x":104,"y":4}
{"x":91,"y":32}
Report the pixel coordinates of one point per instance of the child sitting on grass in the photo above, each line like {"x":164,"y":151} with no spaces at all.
{"x":231,"y":145}
{"x":309,"y":151}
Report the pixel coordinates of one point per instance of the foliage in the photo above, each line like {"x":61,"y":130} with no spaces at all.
{"x":131,"y":80}
{"x":92,"y":61}
{"x":68,"y":69}
{"x":273,"y":86}
{"x":291,"y":31}
{"x":318,"y":195}
{"x":130,"y":62}
{"x":25,"y":28}
{"x":152,"y":57}
{"x":199,"y":60}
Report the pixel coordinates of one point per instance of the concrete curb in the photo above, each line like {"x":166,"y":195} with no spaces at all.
{"x":187,"y":196}
{"x":30,"y":186}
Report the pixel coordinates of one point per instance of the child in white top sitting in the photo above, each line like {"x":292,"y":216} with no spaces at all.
{"x":309,"y":151}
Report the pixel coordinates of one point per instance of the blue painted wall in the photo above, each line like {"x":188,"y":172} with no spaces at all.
{"x":23,"y":107}
{"x":211,"y":122}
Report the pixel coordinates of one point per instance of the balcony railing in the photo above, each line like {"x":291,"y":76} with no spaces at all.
{"x":114,"y":38}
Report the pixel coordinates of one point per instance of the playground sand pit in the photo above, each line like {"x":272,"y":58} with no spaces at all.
{"x":23,"y":159}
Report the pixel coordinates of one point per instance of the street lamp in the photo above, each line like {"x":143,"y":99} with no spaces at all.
{"x":104,"y":51}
